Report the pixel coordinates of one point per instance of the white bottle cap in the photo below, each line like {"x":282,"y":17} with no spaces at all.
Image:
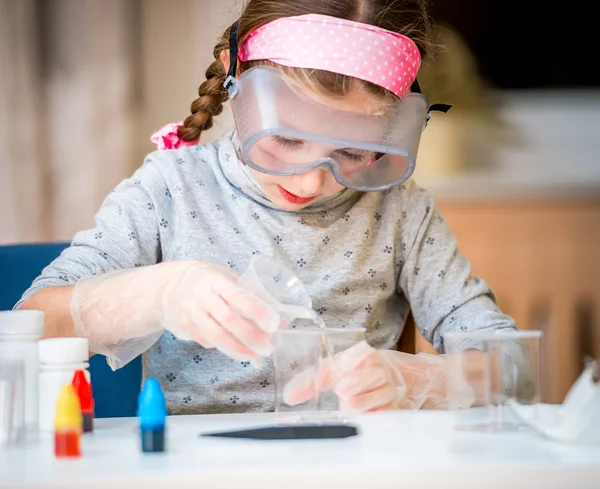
{"x":64,"y":350}
{"x":26,"y":324}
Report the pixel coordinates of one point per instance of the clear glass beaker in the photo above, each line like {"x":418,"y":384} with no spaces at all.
{"x":486,"y":369}
{"x":306,"y":358}
{"x":303,"y":345}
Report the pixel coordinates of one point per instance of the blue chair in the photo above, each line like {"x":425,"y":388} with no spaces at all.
{"x":115,"y":393}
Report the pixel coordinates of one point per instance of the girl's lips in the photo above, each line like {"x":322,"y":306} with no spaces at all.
{"x":294,"y":199}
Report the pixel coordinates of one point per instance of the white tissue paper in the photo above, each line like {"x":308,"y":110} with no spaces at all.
{"x":577,"y":419}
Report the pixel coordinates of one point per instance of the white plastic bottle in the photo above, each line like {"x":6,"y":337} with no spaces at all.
{"x":59,"y":359}
{"x":20,"y":332}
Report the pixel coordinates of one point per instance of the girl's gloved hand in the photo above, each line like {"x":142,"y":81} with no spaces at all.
{"x":123,"y":313}
{"x":366,"y":379}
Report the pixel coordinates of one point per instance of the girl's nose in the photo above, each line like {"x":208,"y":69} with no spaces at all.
{"x":312,"y":182}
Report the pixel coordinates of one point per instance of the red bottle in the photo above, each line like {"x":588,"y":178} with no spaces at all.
{"x":84,"y":391}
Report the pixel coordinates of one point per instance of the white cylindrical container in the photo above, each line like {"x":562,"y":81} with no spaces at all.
{"x":60,"y":358}
{"x":20,"y":332}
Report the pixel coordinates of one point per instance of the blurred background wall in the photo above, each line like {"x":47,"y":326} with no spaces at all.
{"x":514,"y":165}
{"x":83,"y":84}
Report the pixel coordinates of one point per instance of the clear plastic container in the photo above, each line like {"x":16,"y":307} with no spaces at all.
{"x":303,"y":344}
{"x":306,"y":357}
{"x":500,"y":368}
{"x":12,"y":401}
{"x":20,"y":332}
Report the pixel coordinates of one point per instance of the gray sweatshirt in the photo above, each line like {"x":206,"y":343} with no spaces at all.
{"x":366,"y":259}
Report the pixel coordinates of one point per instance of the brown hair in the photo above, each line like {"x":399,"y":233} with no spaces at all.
{"x":407,"y":17}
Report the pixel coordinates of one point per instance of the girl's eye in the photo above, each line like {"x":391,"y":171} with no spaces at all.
{"x":356,"y":157}
{"x":289,"y":143}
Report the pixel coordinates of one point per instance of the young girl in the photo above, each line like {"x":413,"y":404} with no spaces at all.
{"x":316,"y":174}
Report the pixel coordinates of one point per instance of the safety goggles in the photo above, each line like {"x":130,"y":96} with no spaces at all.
{"x":283,"y":131}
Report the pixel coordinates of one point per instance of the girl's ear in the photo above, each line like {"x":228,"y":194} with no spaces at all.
{"x":225,"y":59}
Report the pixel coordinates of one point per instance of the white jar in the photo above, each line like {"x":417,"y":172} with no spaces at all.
{"x":20,"y":332}
{"x":60,"y":358}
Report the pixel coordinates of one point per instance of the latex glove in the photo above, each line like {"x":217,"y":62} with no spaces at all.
{"x":366,"y":379}
{"x":123,"y":313}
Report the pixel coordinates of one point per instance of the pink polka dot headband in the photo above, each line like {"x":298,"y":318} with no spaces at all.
{"x":384,"y":58}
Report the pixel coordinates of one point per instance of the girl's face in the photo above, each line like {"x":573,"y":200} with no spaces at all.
{"x":294,"y":192}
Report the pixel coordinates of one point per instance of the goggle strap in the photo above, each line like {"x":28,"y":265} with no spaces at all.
{"x":440,"y":107}
{"x":233,"y":54}
{"x":415,"y":88}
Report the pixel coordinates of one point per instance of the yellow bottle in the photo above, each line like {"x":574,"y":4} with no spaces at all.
{"x":67,"y":424}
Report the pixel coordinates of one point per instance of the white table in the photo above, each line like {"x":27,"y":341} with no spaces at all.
{"x":397,"y":449}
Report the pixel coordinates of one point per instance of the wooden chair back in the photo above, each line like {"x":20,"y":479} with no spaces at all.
{"x":411,"y":341}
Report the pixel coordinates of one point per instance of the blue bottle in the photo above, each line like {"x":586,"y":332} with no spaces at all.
{"x":152,"y":413}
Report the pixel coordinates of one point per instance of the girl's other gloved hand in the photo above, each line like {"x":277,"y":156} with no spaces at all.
{"x":366,"y":379}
